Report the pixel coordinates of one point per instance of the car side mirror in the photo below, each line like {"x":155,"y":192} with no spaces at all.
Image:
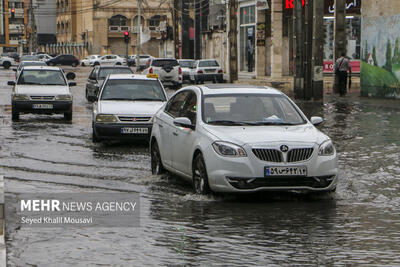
{"x":316,"y":120}
{"x":11,"y":83}
{"x":183,"y":122}
{"x":70,"y":76}
{"x":72,"y":84}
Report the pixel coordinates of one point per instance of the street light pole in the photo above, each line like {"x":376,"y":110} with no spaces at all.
{"x":138,"y":34}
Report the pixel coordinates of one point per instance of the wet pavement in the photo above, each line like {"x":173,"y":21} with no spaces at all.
{"x":360,"y":225}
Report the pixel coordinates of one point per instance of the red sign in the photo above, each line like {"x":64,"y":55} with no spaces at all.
{"x":355,"y":66}
{"x":289,"y":4}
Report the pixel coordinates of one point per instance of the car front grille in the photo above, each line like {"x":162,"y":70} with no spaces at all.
{"x":299,"y":154}
{"x":274,"y":155}
{"x":134,"y":119}
{"x":42,"y":97}
{"x":271,"y":155}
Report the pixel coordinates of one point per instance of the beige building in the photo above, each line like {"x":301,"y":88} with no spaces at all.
{"x":97,"y":27}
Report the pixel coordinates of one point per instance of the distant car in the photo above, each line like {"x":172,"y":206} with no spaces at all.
{"x":70,"y":60}
{"x":29,"y":58}
{"x":131,"y":61}
{"x":97,"y":77}
{"x":144,"y":61}
{"x":206,"y":70}
{"x":88,"y":61}
{"x":44,"y":57}
{"x":126,"y":105}
{"x":13,"y":55}
{"x":7,"y":62}
{"x":27,"y":63}
{"x":168,"y":70}
{"x":187,"y":65}
{"x":109,"y":60}
{"x":237,"y":138}
{"x":41,"y":90}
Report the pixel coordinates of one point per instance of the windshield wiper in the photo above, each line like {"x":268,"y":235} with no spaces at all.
{"x":228,"y":122}
{"x":116,"y":98}
{"x":147,"y":99}
{"x":28,"y":83}
{"x":52,"y":84}
{"x":274,"y":123}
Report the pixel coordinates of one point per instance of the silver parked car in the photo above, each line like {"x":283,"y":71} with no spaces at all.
{"x":206,"y":70}
{"x":168,"y":70}
{"x":187,"y":65}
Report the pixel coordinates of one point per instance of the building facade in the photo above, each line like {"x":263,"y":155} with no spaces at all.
{"x":97,"y":27}
{"x":13,"y":18}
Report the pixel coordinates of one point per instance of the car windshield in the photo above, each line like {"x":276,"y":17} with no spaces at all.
{"x":41,"y":77}
{"x":165,"y":62}
{"x":187,"y":64}
{"x":29,"y":58}
{"x":35,"y":63}
{"x":250,"y":109}
{"x":208,"y":63}
{"x":130,"y":90}
{"x":104,"y":72}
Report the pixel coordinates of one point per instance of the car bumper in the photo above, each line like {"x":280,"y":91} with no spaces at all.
{"x":246,"y":174}
{"x":27,"y":107}
{"x":113,"y":131}
{"x":209,"y":77}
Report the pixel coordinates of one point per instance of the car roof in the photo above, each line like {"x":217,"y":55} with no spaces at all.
{"x":185,"y":60}
{"x":41,"y":68}
{"x":226,"y":88}
{"x":33,"y":62}
{"x":112,"y":67}
{"x":129,"y":76}
{"x":166,"y":58}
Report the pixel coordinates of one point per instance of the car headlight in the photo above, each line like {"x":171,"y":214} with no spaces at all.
{"x":106,"y":118}
{"x":63,"y":97}
{"x":228,"y":149}
{"x":20,"y":97}
{"x":326,"y":148}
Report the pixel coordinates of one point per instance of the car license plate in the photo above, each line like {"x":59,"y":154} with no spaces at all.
{"x":132,"y":130}
{"x":285,"y":171}
{"x":212,"y":70}
{"x":42,"y":106}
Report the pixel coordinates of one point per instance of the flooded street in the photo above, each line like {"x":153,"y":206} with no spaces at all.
{"x":360,"y":225}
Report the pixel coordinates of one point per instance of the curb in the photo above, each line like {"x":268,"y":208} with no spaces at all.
{"x":2,"y":225}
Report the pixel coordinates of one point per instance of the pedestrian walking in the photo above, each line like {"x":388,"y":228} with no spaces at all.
{"x":342,"y":67}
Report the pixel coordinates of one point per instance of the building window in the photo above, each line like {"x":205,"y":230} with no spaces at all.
{"x":247,"y":15}
{"x":247,"y":38}
{"x":154,"y":21}
{"x":135,"y":21}
{"x":118,"y":20}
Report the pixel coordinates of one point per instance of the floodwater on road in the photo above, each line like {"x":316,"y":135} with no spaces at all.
{"x":360,"y":225}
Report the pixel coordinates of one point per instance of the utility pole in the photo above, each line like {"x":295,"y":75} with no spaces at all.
{"x":299,"y":56}
{"x":308,"y":21}
{"x":139,"y":33}
{"x":317,"y":48}
{"x":232,"y":36}
{"x":340,"y":34}
{"x":175,"y":29}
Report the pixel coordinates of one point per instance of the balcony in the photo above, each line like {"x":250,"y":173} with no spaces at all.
{"x":16,"y":28}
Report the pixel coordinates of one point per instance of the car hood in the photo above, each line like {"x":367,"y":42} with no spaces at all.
{"x":129,"y":107}
{"x":263,"y":135}
{"x":42,"y":89}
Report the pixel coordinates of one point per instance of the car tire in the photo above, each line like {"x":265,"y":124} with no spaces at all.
{"x":6,"y":65}
{"x":96,"y":63}
{"x":14,"y":115}
{"x":68,"y":116}
{"x":95,"y":138}
{"x":118,"y":63}
{"x":200,"y":178}
{"x":157,"y":167}
{"x":83,"y":64}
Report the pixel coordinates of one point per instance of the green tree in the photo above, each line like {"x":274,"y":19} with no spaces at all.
{"x":374,"y":56}
{"x":388,"y":65}
{"x":396,"y":53}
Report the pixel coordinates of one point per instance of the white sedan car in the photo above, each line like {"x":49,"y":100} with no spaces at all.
{"x":89,"y":61}
{"x":41,"y":90}
{"x":125,"y":107}
{"x":109,"y":60}
{"x":233,"y":138}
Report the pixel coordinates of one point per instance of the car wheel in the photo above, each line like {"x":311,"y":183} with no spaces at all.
{"x":95,"y":138}
{"x":96,"y":63}
{"x":118,"y":63}
{"x":83,"y":64}
{"x":74,"y":64}
{"x":14,"y":115}
{"x":200,"y":178}
{"x":157,"y":167}
{"x":68,"y":116}
{"x":6,"y":65}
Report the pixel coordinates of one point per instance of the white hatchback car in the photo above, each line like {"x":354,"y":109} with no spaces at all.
{"x":235,"y":138}
{"x":41,"y":90}
{"x":125,"y":107}
{"x":168,"y":70}
{"x":89,"y":61}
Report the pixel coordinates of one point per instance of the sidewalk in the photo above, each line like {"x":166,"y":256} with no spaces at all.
{"x":285,"y":83}
{"x":2,"y":225}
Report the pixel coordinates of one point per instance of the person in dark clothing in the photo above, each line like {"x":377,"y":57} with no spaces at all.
{"x":250,"y":55}
{"x":342,"y":66}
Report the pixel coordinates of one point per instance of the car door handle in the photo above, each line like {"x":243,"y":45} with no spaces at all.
{"x":174,"y":133}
